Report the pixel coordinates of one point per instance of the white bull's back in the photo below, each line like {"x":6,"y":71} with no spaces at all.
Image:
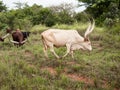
{"x":60,"y":37}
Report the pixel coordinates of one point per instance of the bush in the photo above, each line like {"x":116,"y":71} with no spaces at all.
{"x":50,"y":21}
{"x":115,"y":29}
{"x":22,"y":24}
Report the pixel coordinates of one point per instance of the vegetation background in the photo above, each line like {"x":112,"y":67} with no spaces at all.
{"x":26,"y":68}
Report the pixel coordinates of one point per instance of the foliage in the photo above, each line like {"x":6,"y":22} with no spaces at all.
{"x":103,"y":9}
{"x":64,"y":13}
{"x":114,"y":30}
{"x":2,"y":7}
{"x":106,"y":13}
{"x":50,"y":20}
{"x":20,"y":5}
{"x":81,"y":17}
{"x":35,"y":15}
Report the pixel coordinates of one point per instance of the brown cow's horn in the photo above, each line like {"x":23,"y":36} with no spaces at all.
{"x":14,"y":42}
{"x":18,"y":42}
{"x":24,"y":41}
{"x":5,"y":36}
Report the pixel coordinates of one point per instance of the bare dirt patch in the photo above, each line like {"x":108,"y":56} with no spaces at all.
{"x":72,"y":63}
{"x":51,"y":70}
{"x":29,"y":54}
{"x":74,"y":77}
{"x":80,"y":78}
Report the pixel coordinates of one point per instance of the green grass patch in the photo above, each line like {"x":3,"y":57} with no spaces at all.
{"x":25,"y":67}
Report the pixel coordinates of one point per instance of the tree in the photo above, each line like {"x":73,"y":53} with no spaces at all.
{"x":2,"y":7}
{"x":102,"y":9}
{"x":20,"y":5}
{"x":3,"y":20}
{"x":23,"y":24}
{"x":63,"y":13}
{"x":80,"y":17}
{"x":50,"y":20}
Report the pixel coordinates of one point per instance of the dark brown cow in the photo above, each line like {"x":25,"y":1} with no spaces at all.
{"x":19,"y":38}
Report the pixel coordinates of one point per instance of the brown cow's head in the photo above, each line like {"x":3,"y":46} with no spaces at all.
{"x":8,"y":30}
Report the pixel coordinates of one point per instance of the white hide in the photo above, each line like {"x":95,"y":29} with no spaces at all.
{"x":60,"y":37}
{"x":69,"y":38}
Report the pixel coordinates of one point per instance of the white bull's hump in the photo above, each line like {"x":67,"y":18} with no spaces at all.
{"x":63,"y":35}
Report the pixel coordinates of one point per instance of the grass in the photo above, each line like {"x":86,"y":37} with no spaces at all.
{"x":26,"y":68}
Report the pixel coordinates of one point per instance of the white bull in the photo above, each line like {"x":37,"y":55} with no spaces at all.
{"x":69,"y":38}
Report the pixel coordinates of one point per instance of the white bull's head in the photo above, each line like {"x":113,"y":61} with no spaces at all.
{"x":86,"y":43}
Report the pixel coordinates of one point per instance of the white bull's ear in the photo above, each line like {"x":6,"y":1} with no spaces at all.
{"x":86,"y":39}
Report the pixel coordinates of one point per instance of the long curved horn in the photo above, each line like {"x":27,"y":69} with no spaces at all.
{"x":24,"y":41}
{"x":15,"y":42}
{"x":5,"y":36}
{"x":89,"y":29}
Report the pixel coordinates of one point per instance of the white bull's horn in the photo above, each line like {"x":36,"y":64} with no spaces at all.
{"x":90,"y":28}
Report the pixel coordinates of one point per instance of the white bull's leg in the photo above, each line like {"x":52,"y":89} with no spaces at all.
{"x":45,"y":48}
{"x":72,"y":54}
{"x":45,"y":52}
{"x":53,"y":51}
{"x":68,"y":50}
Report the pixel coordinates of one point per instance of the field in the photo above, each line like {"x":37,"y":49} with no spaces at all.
{"x":26,"y":68}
